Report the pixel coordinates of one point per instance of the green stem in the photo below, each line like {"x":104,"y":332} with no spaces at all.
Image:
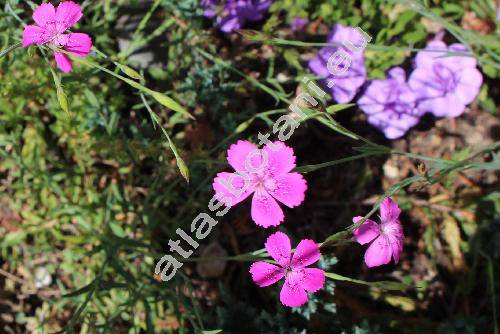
{"x":9,"y":49}
{"x":384,"y":285}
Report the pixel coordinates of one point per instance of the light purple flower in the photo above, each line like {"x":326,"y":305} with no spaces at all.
{"x":298,"y":23}
{"x":390,"y":104}
{"x":386,"y":239}
{"x":345,"y":84}
{"x":443,"y":84}
{"x":233,"y":14}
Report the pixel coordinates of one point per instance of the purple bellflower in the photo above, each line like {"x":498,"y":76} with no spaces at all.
{"x":233,"y":14}
{"x":390,"y":104}
{"x":443,"y":84}
{"x":341,"y":68}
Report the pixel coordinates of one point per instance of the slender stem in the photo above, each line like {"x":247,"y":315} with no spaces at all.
{"x":9,"y":49}
{"x":338,"y":277}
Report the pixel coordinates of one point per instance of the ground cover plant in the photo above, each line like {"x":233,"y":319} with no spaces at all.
{"x":250,"y":166}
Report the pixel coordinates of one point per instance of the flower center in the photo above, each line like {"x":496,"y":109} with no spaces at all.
{"x":446,"y":78}
{"x":265,"y":182}
{"x":294,"y":276}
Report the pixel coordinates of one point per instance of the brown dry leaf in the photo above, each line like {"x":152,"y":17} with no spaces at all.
{"x":170,"y":322}
{"x":470,"y":21}
{"x":404,"y":303}
{"x":9,"y":219}
{"x":451,"y":234}
{"x":439,"y":198}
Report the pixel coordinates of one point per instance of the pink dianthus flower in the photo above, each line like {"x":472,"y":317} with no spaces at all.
{"x":386,"y":238}
{"x":299,"y":279}
{"x":265,"y":173}
{"x":51,"y":25}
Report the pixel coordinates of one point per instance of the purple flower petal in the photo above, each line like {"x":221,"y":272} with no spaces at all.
{"x":444,"y":84}
{"x":390,"y":104}
{"x":348,"y":73}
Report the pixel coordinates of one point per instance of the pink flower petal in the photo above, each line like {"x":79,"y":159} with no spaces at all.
{"x":34,"y":34}
{"x":397,"y":249}
{"x":292,"y":293}
{"x":237,"y":154}
{"x":289,"y":189}
{"x":394,"y":232}
{"x":67,"y":14}
{"x":44,"y":15}
{"x":278,"y":246}
{"x":78,"y":44}
{"x":233,"y":186}
{"x":63,"y":62}
{"x":265,"y":274}
{"x":306,"y":253}
{"x":314,"y":279}
{"x":389,"y":210}
{"x":368,"y":231}
{"x":265,"y":210}
{"x":281,"y":159}
{"x":379,"y":252}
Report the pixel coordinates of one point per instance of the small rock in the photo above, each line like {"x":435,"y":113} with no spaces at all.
{"x":391,"y":171}
{"x":42,"y":277}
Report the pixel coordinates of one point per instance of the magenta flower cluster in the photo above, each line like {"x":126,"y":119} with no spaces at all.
{"x":233,"y":14}
{"x":277,"y":183}
{"x":441,"y":84}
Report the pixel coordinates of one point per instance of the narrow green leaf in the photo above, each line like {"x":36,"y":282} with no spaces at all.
{"x":122,"y":272}
{"x":160,"y":97}
{"x":384,"y":285}
{"x":338,"y":107}
{"x":80,"y":291}
{"x":149,"y":317}
{"x":311,"y":168}
{"x":117,"y":229}
{"x":170,"y":103}
{"x":61,"y":96}
{"x":92,"y":288}
{"x":130,"y":71}
{"x":180,"y":162}
{"x":63,"y":101}
{"x":9,"y":49}
{"x":243,"y":126}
